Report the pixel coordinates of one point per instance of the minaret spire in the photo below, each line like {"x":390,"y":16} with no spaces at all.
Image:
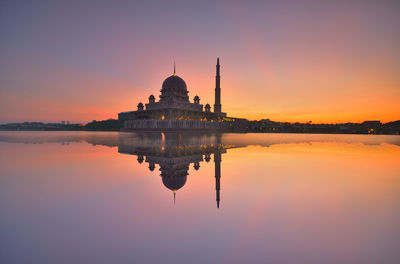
{"x":174,"y":196}
{"x":217,"y":105}
{"x":174,"y":69}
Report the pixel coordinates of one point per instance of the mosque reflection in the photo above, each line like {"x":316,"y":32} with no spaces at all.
{"x":174,"y":154}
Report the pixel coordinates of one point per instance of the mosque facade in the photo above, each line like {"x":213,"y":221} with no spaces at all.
{"x":175,"y":112}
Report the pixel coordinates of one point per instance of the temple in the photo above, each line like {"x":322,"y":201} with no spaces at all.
{"x":175,"y":112}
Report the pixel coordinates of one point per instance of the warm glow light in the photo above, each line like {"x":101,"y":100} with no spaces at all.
{"x":283,"y":62}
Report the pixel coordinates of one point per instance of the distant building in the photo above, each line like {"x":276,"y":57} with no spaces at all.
{"x":63,"y":122}
{"x":371,"y":124}
{"x":175,"y":112}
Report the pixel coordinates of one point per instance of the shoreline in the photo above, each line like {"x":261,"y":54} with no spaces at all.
{"x":190,"y":131}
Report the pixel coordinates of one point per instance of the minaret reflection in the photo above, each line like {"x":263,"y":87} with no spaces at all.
{"x":174,"y":153}
{"x":217,"y":165}
{"x":217,"y":161}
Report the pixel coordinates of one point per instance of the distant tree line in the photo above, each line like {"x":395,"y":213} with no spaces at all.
{"x":367,"y":127}
{"x":104,"y":125}
{"x":261,"y":126}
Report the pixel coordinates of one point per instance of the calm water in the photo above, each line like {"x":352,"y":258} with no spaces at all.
{"x":80,"y":197}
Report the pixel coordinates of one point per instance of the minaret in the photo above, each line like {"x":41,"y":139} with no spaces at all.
{"x":217,"y":163}
{"x":217,"y":105}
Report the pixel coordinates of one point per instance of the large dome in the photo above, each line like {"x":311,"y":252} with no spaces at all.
{"x":174,"y":83}
{"x":174,"y":183}
{"x":174,"y":89}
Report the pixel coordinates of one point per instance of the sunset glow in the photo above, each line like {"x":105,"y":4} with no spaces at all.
{"x":324,"y":62}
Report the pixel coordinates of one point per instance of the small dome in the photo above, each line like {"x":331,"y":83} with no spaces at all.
{"x":152,"y":166}
{"x":207,"y":108}
{"x":152,"y":99}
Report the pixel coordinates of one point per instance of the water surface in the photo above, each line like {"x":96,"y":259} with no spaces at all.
{"x":96,"y":197}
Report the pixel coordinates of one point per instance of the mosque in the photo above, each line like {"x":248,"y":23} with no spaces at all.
{"x":175,"y":112}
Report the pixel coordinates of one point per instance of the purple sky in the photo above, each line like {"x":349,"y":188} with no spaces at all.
{"x":335,"y":61}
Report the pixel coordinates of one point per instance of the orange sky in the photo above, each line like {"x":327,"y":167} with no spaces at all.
{"x":283,"y":61}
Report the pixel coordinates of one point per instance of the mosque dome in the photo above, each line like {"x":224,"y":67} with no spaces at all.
{"x":174,"y":183}
{"x":174,"y":84}
{"x":174,"y":89}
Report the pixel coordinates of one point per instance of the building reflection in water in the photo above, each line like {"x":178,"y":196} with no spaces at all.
{"x":175,"y":153}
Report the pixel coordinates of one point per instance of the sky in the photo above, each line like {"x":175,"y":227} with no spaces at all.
{"x":296,"y":61}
